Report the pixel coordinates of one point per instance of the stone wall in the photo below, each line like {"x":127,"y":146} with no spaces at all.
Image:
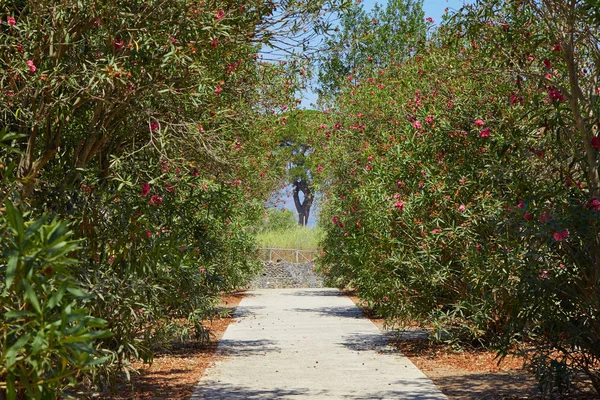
{"x":277,"y":275}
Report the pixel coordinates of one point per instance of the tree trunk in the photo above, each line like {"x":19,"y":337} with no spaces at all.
{"x":303,"y":208}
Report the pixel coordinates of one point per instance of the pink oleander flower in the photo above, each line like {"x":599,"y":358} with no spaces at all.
{"x":218,"y":91}
{"x":545,"y":217}
{"x":118,"y":44}
{"x":462,"y":207}
{"x":11,"y":21}
{"x":479,"y":123}
{"x":417,"y":125}
{"x":485,"y":133}
{"x":145,"y":189}
{"x":220,"y":14}
{"x":155,"y":200}
{"x":594,"y":204}
{"x":521,"y":204}
{"x":555,"y":95}
{"x":557,"y":237}
{"x":31,"y":65}
{"x":399,"y":205}
{"x":429,"y":19}
{"x":528,"y":216}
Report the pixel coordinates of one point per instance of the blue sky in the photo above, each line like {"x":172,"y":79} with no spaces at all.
{"x":432,"y":8}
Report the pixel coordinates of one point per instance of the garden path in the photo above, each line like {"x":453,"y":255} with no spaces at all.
{"x":308,"y":343}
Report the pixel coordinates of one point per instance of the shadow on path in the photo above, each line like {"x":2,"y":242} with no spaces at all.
{"x":227,"y":391}
{"x":368,"y":342}
{"x":246,"y":311}
{"x":245,"y":348}
{"x":339,"y":311}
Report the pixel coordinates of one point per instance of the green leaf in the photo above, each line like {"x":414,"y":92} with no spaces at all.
{"x":57,"y":296}
{"x":31,"y":296}
{"x":11,"y":269}
{"x":15,"y":220}
{"x":18,"y":314}
{"x":11,"y":353}
{"x":35,"y":226}
{"x":78,"y":292}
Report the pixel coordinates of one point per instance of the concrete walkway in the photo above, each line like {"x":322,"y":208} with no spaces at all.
{"x":308,"y":344}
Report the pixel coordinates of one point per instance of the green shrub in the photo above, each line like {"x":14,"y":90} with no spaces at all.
{"x":461,"y":187}
{"x":277,"y":219}
{"x":48,"y":338}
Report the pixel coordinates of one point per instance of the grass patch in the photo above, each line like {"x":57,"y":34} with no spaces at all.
{"x":299,"y":238}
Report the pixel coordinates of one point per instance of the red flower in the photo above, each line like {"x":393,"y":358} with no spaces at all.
{"x":521,"y":204}
{"x":148,"y":234}
{"x":596,"y":142}
{"x":594,"y":204}
{"x":545,"y":218}
{"x":417,"y":125}
{"x":528,"y":216}
{"x":479,"y":123}
{"x":547,"y":63}
{"x":485,"y":133}
{"x":145,"y":189}
{"x":429,"y":19}
{"x":31,"y":65}
{"x":399,"y":205}
{"x":555,"y":95}
{"x":220,"y":14}
{"x":558,"y":237}
{"x":155,"y":200}
{"x":154,"y":126}
{"x":556,"y":46}
{"x":214,"y":43}
{"x":218,"y":91}
{"x":118,"y":44}
{"x":11,"y":21}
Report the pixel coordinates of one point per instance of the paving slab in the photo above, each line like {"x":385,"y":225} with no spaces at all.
{"x":308,"y":344}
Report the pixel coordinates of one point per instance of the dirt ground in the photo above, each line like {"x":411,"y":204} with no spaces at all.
{"x":470,"y":374}
{"x":174,"y":375}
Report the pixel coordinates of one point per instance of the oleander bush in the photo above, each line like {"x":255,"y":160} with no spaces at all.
{"x":137,"y":145}
{"x":461,"y":186}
